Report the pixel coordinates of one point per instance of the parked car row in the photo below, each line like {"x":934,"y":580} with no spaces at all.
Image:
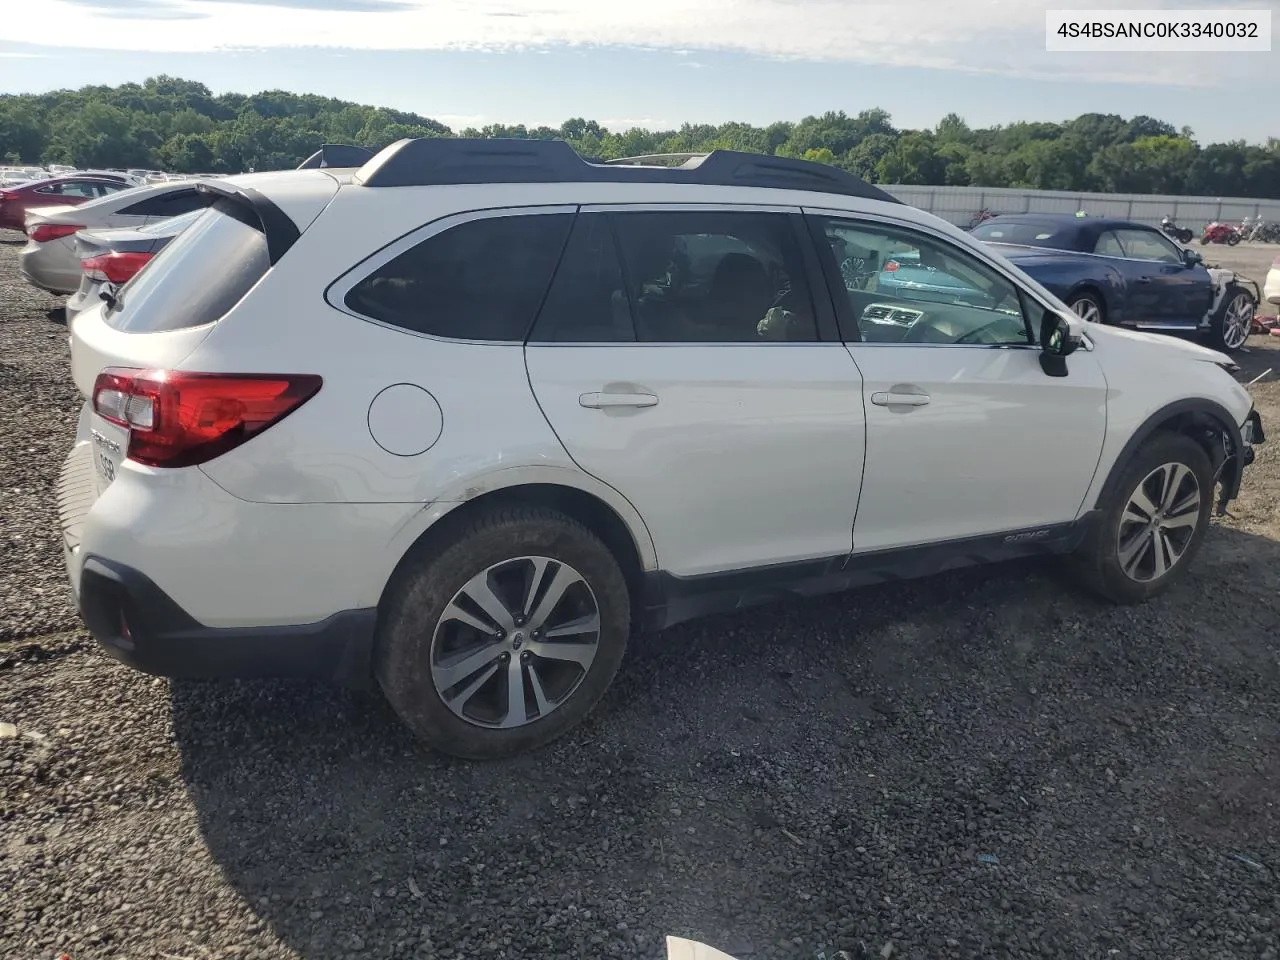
{"x":460,"y":419}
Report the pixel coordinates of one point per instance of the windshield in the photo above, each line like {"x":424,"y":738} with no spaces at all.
{"x":197,"y":277}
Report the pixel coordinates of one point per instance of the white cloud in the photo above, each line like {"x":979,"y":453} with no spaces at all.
{"x":985,"y":36}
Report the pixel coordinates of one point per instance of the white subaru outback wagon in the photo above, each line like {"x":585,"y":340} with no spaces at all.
{"x":463,"y":418}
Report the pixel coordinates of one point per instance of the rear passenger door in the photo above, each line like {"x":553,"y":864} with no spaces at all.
{"x":681,"y":358}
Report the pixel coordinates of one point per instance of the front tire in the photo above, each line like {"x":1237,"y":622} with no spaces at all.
{"x":1232,"y":322}
{"x":1088,"y":307}
{"x":504,"y":637}
{"x":1153,"y":523}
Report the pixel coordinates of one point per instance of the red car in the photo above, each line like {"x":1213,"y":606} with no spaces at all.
{"x":70,"y":190}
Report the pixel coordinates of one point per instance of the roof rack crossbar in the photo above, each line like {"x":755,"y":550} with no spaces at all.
{"x":440,"y":161}
{"x":337,"y":155}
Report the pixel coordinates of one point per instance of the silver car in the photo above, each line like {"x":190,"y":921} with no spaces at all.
{"x":110,"y":258}
{"x":49,"y":260}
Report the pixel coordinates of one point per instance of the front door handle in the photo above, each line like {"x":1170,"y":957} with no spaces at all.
{"x":601,"y":401}
{"x":1144,"y":279}
{"x":900,"y":399}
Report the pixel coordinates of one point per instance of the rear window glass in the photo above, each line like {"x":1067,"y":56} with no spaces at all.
{"x":199,"y":276}
{"x":1028,"y":234}
{"x":481,"y":280}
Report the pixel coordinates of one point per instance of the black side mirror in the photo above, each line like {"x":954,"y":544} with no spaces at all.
{"x":1191,"y":258}
{"x":1056,"y":344}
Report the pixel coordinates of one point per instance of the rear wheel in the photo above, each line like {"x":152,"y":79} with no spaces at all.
{"x":1233,"y":239}
{"x":1088,"y":307}
{"x":1185,"y":236}
{"x":1153,"y":523}
{"x":506,"y":636}
{"x":1231,"y":323}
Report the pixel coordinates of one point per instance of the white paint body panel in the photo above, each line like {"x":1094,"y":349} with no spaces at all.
{"x":960,"y":465}
{"x":752,"y":454}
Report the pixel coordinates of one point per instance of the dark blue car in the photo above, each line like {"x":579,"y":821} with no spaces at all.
{"x":1121,"y":272}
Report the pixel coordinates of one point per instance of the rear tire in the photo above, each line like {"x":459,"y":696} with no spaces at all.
{"x":505,"y":636}
{"x":1233,"y":239}
{"x":1185,"y":236}
{"x":1232,"y":322}
{"x":1153,"y":523}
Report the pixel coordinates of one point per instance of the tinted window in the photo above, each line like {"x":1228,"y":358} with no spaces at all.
{"x":906,"y":287}
{"x":587,"y":302}
{"x":481,"y":280}
{"x":169,"y":204}
{"x":197,"y":277}
{"x":713,"y":277}
{"x":73,"y":188}
{"x":1148,"y":245}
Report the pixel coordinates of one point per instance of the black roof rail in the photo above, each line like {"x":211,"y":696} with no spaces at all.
{"x":432,"y":161}
{"x":337,"y":155}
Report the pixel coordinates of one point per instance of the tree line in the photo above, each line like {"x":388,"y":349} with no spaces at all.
{"x":179,"y":125}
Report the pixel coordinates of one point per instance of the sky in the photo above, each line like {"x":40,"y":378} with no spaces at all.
{"x":648,"y":63}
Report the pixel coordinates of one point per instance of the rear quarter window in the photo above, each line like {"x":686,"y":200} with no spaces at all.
{"x":483,"y":279}
{"x":198,"y":277}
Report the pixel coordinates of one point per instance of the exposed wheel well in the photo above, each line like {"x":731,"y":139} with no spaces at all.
{"x":592,"y":512}
{"x":1201,"y":426}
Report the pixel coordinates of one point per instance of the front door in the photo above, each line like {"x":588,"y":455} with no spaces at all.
{"x":966,"y":434}
{"x":1179,"y":294}
{"x":678,"y":359}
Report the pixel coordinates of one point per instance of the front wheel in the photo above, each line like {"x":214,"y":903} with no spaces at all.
{"x":1088,"y":307}
{"x":1232,"y":322}
{"x":1153,"y":522}
{"x":505,"y":636}
{"x":1204,"y":240}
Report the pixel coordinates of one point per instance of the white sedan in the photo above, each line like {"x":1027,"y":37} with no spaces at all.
{"x":49,"y":260}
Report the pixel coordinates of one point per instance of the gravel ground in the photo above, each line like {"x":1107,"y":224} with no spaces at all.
{"x":985,"y":764}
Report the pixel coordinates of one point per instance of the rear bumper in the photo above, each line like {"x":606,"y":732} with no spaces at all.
{"x":138,"y":624}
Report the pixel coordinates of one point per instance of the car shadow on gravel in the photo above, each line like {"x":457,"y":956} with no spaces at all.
{"x":986,"y":761}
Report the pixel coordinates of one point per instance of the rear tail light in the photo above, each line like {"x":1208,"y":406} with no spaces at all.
{"x":114,"y":267}
{"x":179,"y":419}
{"x":891,"y":266}
{"x":7,"y":195}
{"x":44,"y":232}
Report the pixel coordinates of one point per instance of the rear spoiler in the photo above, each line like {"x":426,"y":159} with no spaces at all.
{"x":279,"y":229}
{"x":337,"y":155}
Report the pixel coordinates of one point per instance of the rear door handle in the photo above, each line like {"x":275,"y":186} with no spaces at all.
{"x":600,"y":401}
{"x":900,"y":399}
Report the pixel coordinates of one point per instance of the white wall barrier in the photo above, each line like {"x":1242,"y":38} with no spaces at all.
{"x":960,"y":205}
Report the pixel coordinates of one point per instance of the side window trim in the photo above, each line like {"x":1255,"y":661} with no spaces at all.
{"x":836,"y":283}
{"x":824,"y":307}
{"x":335,"y":293}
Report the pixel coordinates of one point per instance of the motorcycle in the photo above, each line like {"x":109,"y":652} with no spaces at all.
{"x":1261,"y":231}
{"x":1181,"y":234}
{"x":1218,"y":232}
{"x":981,"y":216}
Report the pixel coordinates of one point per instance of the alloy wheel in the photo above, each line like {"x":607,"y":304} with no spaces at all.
{"x":1086,"y":310}
{"x":1238,"y":321}
{"x":515,"y":642}
{"x":1159,"y":522}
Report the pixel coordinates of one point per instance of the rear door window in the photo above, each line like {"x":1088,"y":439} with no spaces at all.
{"x":715,"y":277}
{"x":198,"y":277}
{"x":483,"y":279}
{"x":169,"y":204}
{"x":587,"y":302}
